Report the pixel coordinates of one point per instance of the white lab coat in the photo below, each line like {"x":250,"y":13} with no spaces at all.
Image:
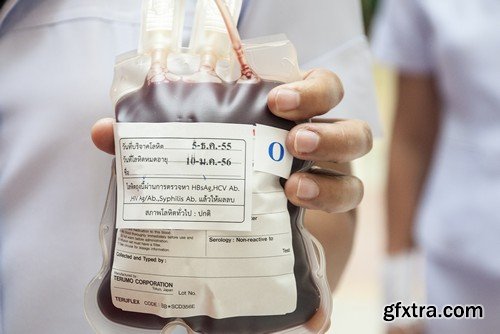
{"x":458,"y":224}
{"x":458,"y":43}
{"x":56,"y":66}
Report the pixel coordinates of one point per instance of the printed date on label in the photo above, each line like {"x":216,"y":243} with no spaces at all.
{"x":192,"y":160}
{"x":201,"y":145}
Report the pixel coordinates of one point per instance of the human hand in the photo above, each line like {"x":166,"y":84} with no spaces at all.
{"x":339,"y":141}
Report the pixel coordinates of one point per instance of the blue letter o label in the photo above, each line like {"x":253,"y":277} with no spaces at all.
{"x":276,"y":151}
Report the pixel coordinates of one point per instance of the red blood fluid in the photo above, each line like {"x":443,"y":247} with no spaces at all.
{"x":242,"y":103}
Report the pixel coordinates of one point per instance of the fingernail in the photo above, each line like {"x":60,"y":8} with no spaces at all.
{"x":307,"y":189}
{"x":306,"y":141}
{"x":287,"y":99}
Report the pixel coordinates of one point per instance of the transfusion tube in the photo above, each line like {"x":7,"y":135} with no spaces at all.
{"x":234,"y":36}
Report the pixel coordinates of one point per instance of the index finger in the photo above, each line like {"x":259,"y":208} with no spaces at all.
{"x":315,"y":95}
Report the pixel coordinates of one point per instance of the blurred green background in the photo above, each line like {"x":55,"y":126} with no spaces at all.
{"x":369,"y":7}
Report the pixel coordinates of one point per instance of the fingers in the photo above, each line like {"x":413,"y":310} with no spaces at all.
{"x":341,"y":141}
{"x":320,"y":91}
{"x":102,"y":135}
{"x":323,"y":190}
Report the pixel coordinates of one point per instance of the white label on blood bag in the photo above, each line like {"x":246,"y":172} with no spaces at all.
{"x":184,"y":273}
{"x":184,"y":176}
{"x":214,"y":272}
{"x":271,"y":155}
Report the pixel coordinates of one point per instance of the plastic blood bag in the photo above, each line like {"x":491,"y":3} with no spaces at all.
{"x":197,"y":231}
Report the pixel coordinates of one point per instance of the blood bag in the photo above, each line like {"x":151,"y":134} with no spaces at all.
{"x":197,"y":232}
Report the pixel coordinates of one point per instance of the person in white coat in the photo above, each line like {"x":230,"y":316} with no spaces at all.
{"x":56,"y":66}
{"x":444,"y":180}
